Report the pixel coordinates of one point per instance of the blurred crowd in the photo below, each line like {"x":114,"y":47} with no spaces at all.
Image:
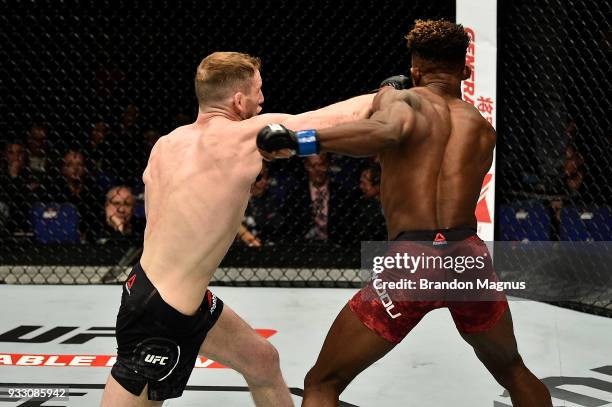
{"x":89,"y":190}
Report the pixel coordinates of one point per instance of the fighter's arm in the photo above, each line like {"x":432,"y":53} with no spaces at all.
{"x":347,"y":110}
{"x":393,"y":119}
{"x":359,"y":107}
{"x":385,"y":129}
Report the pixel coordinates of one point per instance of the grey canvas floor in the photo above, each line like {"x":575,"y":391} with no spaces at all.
{"x":432,"y":367}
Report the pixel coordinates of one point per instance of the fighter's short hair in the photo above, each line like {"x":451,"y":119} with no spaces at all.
{"x":439,"y":41}
{"x":221,"y":73}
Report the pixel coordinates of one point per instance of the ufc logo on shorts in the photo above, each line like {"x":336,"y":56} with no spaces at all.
{"x":154,"y":359}
{"x":214,"y":304}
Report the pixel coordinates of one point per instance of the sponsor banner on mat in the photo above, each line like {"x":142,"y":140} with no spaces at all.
{"x":77,"y":360}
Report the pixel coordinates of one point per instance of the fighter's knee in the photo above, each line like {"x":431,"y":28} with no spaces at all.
{"x":264,"y":364}
{"x":512,"y":372}
{"x":270,"y":357}
{"x":319,"y":379}
{"x":311,"y":379}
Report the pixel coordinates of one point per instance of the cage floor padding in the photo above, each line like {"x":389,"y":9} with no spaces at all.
{"x":64,"y":335}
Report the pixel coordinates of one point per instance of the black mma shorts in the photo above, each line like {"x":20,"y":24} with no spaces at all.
{"x":156,"y":344}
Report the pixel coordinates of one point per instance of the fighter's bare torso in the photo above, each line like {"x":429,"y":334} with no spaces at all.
{"x":197,"y":186}
{"x":433,"y":178}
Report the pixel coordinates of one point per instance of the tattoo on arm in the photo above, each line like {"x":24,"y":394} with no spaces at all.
{"x":412,"y":99}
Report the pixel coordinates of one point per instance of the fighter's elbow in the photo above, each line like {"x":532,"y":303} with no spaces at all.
{"x":391,"y":135}
{"x":393,"y":140}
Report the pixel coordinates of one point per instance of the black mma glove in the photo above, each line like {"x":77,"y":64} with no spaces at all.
{"x":276,"y":137}
{"x":398,"y":82}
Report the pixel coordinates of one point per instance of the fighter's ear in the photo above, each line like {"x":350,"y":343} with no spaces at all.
{"x":467,"y":72}
{"x":239,"y":100}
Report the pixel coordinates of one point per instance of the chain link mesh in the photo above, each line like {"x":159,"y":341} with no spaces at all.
{"x":88,"y":87}
{"x":554,"y":143}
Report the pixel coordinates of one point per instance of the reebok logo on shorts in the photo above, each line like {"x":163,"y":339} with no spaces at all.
{"x":439,"y":240}
{"x":130,"y":283}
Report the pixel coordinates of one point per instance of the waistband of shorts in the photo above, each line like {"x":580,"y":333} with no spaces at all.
{"x":142,"y":277}
{"x":165,"y":309}
{"x":437,"y":235}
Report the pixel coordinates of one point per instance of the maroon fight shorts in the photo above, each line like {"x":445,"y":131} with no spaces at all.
{"x":458,"y":274}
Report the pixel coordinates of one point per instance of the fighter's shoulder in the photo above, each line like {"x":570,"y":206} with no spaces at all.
{"x":259,"y":121}
{"x":482,"y":125}
{"x":468,"y":117}
{"x":470,"y":111}
{"x":390,"y":100}
{"x":413,"y":97}
{"x":160,"y":144}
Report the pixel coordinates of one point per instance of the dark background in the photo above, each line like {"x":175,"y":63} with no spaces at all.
{"x":55,"y":55}
{"x":71,"y":63}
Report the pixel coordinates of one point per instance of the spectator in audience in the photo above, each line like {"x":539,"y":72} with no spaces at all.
{"x":130,"y":118}
{"x":14,"y":161}
{"x":150,"y":135}
{"x":99,"y":156}
{"x":15,"y":193}
{"x":128,"y":129}
{"x":369,"y":182}
{"x":571,"y":182}
{"x":97,"y":148}
{"x":573,"y":169}
{"x":120,"y":222}
{"x":573,"y":163}
{"x":126,"y":145}
{"x":262,"y":219}
{"x":321,"y":211}
{"x":247,"y":237}
{"x":74,"y":171}
{"x":369,"y":209}
{"x":319,"y":190}
{"x":75,"y":186}
{"x":39,"y":161}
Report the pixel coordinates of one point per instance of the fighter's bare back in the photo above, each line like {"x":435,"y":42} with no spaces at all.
{"x":433,"y":179}
{"x":434,"y":149}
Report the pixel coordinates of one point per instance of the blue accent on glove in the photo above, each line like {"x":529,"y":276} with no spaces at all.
{"x":308,"y":144}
